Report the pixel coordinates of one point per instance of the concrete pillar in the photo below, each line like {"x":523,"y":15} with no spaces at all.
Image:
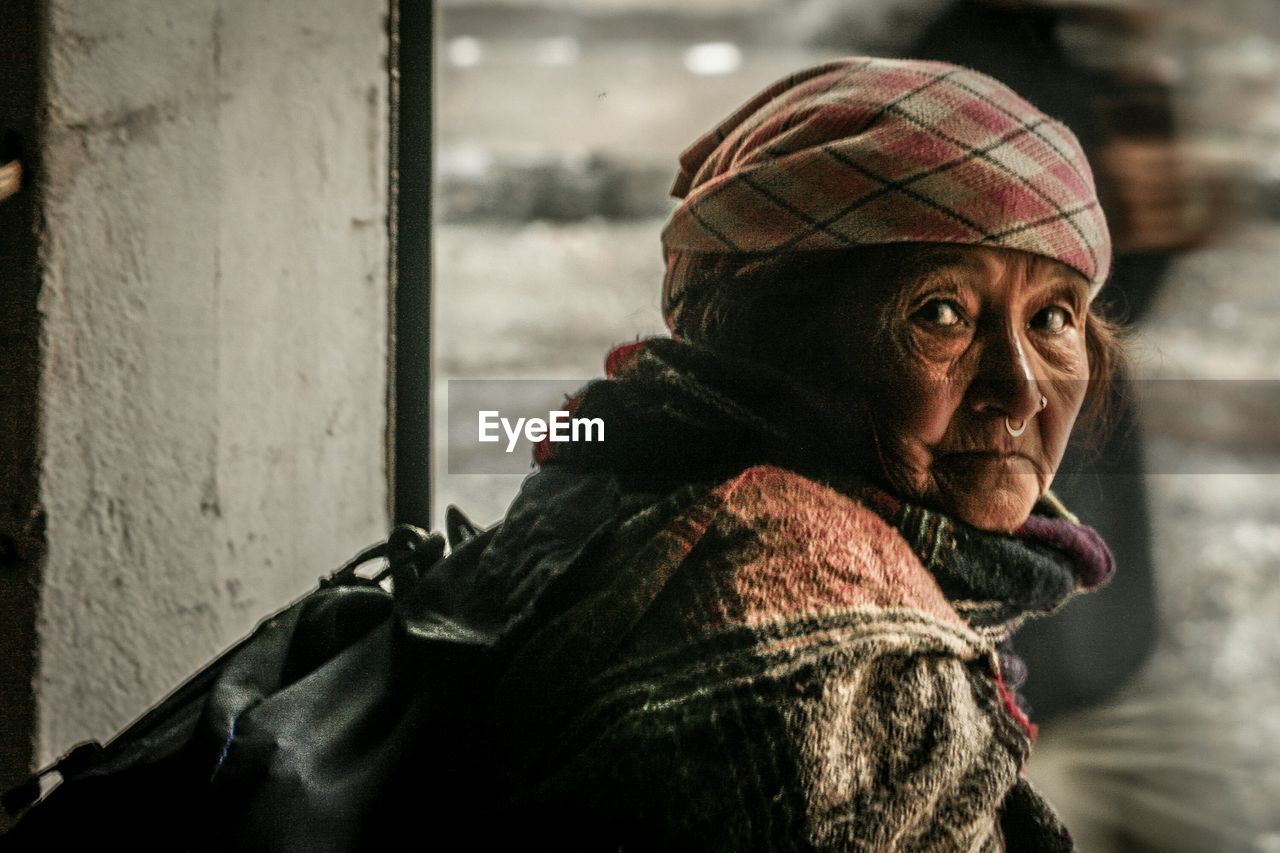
{"x":213,"y":312}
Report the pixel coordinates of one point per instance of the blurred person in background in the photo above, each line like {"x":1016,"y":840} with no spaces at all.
{"x":772,"y":609}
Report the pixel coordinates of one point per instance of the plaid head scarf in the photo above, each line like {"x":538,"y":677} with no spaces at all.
{"x":866,"y":151}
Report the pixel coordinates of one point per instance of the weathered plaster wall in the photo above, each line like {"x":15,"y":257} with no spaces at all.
{"x":215,"y":302}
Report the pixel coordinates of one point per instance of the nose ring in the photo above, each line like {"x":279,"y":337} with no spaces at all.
{"x":1021,"y":428}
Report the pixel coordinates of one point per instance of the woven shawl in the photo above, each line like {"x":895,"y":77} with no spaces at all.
{"x":769,"y":659}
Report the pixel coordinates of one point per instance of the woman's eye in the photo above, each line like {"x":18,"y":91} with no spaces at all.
{"x":941,"y":312}
{"x":1052,"y":319}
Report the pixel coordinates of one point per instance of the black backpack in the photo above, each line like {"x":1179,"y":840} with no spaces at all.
{"x":331,"y":727}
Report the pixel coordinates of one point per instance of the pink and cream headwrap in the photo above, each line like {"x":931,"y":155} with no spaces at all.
{"x":864,"y":151}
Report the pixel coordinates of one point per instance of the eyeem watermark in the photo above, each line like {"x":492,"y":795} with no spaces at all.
{"x":1213,"y":426}
{"x":559,"y":426}
{"x":494,"y":425}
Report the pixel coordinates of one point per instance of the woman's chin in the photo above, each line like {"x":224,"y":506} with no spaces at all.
{"x":1003,"y":506}
{"x":986,"y":491}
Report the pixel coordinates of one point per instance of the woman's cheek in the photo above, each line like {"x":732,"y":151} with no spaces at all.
{"x":927,"y":394}
{"x":911,"y":404}
{"x":1058,"y":419}
{"x":1068,"y":378}
{"x":1065,"y":360}
{"x":927,"y":415}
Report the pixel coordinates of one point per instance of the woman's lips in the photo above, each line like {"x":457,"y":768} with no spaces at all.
{"x":999,"y":458}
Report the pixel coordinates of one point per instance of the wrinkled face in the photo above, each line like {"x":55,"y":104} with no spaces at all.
{"x":978,"y":367}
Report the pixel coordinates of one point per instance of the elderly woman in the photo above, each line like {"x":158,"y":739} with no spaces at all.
{"x":771,"y":610}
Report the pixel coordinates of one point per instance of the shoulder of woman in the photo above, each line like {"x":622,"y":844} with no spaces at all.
{"x":768,"y":584}
{"x":765,"y":558}
{"x":812,"y":546}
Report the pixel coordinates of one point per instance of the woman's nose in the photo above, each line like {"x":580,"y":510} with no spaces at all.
{"x":1006,"y":384}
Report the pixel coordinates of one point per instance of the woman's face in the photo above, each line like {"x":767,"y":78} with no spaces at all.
{"x":978,"y":367}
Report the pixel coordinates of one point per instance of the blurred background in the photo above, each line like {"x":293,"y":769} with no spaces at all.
{"x":558,"y":126}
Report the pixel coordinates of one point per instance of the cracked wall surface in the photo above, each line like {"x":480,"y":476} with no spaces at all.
{"x":214,"y":301}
